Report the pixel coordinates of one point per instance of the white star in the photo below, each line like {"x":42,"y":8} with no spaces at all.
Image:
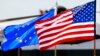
{"x":91,"y":7}
{"x":76,"y":17}
{"x":23,"y":26}
{"x":33,"y":32}
{"x":88,"y":7}
{"x":30,"y":38}
{"x":25,"y":41}
{"x":17,"y":38}
{"x":20,"y":40}
{"x":86,"y":19}
{"x":28,"y":24}
{"x":86,"y":11}
{"x":91,"y":15}
{"x":91,"y":19}
{"x":16,"y":34}
{"x":82,"y":20}
{"x":91,"y":11}
{"x":83,"y":7}
{"x":82,"y":12}
{"x":86,"y":15}
{"x":76,"y":20}
{"x":18,"y":29}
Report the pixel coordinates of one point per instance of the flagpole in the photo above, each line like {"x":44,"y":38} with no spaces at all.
{"x":55,"y":51}
{"x":18,"y":51}
{"x":94,"y":47}
{"x":18,"y":18}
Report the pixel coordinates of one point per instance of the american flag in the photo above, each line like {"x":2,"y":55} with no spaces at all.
{"x":72,"y":25}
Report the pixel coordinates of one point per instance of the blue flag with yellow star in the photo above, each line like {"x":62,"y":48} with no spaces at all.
{"x":24,"y":34}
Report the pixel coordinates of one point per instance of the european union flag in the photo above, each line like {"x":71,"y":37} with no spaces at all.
{"x":24,"y":34}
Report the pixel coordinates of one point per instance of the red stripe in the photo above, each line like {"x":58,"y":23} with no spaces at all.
{"x":59,"y":22}
{"x":57,"y":28}
{"x":71,"y":33}
{"x":54,"y":28}
{"x":86,"y":38}
{"x":46,"y":25}
{"x":50,"y":19}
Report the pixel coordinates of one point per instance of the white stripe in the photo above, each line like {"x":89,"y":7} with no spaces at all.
{"x":46,"y":28}
{"x":65,"y":32}
{"x":59,"y":30}
{"x":53,"y":31}
{"x":71,"y":36}
{"x":51,"y":21}
{"x":56,"y":30}
{"x":65,"y":14}
{"x":57,"y":25}
{"x":62,"y":19}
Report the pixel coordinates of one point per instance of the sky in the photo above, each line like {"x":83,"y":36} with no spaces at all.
{"x":19,"y":8}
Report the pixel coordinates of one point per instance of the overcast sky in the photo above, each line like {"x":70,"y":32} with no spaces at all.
{"x":18,"y":8}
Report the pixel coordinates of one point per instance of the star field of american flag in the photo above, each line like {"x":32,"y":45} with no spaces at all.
{"x":85,"y":13}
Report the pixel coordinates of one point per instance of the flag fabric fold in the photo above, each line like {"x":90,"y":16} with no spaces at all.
{"x":24,"y":34}
{"x":72,"y":25}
